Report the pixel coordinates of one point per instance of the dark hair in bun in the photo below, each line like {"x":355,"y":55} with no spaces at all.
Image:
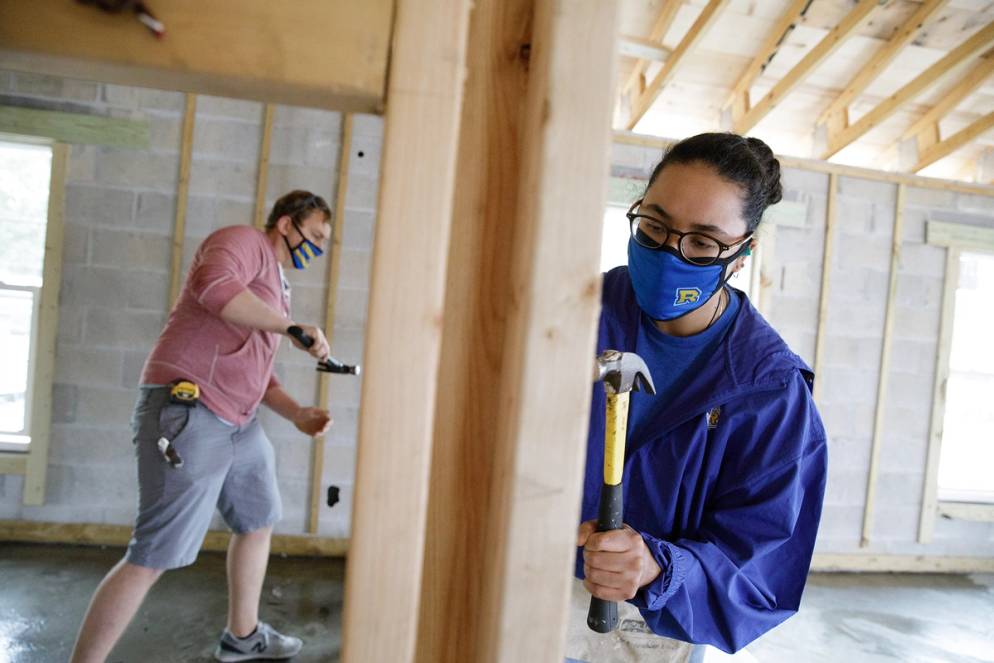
{"x":748,"y":162}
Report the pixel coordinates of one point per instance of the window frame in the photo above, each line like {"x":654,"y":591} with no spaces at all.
{"x":32,"y":463}
{"x":956,"y":238}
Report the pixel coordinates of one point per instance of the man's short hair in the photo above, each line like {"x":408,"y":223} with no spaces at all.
{"x":297,"y":205}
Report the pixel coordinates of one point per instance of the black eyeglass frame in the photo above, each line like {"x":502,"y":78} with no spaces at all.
{"x":632,"y":216}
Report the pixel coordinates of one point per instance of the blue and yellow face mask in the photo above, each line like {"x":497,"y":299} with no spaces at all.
{"x":304,"y":252}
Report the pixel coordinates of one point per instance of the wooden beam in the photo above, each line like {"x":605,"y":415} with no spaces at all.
{"x":852,"y":22}
{"x":383,"y":579}
{"x":508,"y":316}
{"x":952,"y":97}
{"x":978,"y":42}
{"x":879,"y":409}
{"x":331,"y":297}
{"x":867,"y":563}
{"x":13,"y":462}
{"x":118,"y":535}
{"x":74,"y":127}
{"x":960,"y":236}
{"x":926,"y":522}
{"x":182,"y":195}
{"x":826,"y":273}
{"x":667,"y":12}
{"x":882,"y":58}
{"x":310,"y":53}
{"x":946,"y":147}
{"x":704,"y":21}
{"x":738,"y":100}
{"x":643,"y":49}
{"x":553,"y":297}
{"x":818,"y":166}
{"x":262,"y":171}
{"x":36,"y":467}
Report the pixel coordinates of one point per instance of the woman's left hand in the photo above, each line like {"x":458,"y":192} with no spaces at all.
{"x":616,"y":563}
{"x":312,"y":421}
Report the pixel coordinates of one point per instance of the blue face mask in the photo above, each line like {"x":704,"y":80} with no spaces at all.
{"x":303,"y":253}
{"x":668,"y":287}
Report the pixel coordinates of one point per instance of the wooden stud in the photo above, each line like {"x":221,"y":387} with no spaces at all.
{"x":818,"y":166}
{"x":852,"y":22}
{"x":930,"y":491}
{"x":383,"y":578}
{"x":826,"y":272}
{"x":704,"y":21}
{"x":553,"y":297}
{"x":783,"y":27}
{"x":944,"y":148}
{"x":882,"y":58}
{"x":337,"y":56}
{"x":866,"y":563}
{"x":36,"y":465}
{"x":74,"y":127}
{"x":912,"y":89}
{"x":118,"y":535}
{"x":13,"y":462}
{"x":960,"y":236}
{"x":182,"y":195}
{"x":668,"y":11}
{"x":885,"y":350}
{"x":952,"y":97}
{"x":262,"y":174}
{"x":331,"y":297}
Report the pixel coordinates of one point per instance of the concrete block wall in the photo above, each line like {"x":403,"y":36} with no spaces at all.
{"x":858,"y":288}
{"x":120,"y":212}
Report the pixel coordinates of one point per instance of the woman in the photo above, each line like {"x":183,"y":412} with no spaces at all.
{"x":725,"y":466}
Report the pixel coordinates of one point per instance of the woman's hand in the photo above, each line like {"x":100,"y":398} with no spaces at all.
{"x":312,"y":421}
{"x":616,"y":563}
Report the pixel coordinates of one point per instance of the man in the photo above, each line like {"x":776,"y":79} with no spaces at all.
{"x":198,"y":442}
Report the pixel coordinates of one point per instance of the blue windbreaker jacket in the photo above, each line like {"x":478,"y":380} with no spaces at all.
{"x":725,"y":483}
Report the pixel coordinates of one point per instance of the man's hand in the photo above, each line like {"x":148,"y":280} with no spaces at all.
{"x":319,"y":349}
{"x":312,"y":421}
{"x":616,"y":563}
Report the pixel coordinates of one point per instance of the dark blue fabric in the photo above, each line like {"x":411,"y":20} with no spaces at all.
{"x":729,"y":503}
{"x":673,"y":359}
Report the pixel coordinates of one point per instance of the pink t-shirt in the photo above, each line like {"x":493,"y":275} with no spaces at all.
{"x":232,"y":364}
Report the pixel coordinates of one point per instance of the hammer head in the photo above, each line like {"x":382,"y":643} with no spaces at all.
{"x":623,"y":371}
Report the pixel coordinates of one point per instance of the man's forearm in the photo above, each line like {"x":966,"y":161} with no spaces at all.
{"x":247,"y":310}
{"x":280,"y":402}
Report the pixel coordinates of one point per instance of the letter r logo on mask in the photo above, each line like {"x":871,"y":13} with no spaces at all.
{"x":687,"y":296}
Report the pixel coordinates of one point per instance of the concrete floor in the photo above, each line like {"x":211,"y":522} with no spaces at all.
{"x":868,"y":618}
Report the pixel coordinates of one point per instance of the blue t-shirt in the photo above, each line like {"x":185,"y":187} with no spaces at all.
{"x":672,"y":360}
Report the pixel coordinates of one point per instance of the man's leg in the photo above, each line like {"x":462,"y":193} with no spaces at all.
{"x":112,"y":608}
{"x":248,"y":555}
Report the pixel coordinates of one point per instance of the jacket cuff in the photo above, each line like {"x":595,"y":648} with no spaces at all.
{"x":671,"y":562}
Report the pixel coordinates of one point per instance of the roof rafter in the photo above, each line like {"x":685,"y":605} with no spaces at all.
{"x":883,"y":57}
{"x":738,"y":100}
{"x":636,"y":81}
{"x":842,"y":137}
{"x":644,"y":100}
{"x":946,"y":147}
{"x":953,"y":96}
{"x":855,"y":19}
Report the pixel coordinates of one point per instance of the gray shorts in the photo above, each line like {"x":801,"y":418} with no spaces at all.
{"x":227,"y":466}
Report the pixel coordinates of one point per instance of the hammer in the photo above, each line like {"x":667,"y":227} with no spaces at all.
{"x":330,"y":364}
{"x":622,"y":373}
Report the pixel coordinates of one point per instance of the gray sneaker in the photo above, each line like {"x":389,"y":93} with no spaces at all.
{"x":265,"y":644}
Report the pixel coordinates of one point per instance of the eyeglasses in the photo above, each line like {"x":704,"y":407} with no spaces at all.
{"x":695,"y":247}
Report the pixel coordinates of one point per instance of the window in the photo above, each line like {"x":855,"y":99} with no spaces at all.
{"x":967,"y":451}
{"x":25,"y":174}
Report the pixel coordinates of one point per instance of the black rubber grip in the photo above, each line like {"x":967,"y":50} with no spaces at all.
{"x":602,"y":616}
{"x":302,"y":337}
